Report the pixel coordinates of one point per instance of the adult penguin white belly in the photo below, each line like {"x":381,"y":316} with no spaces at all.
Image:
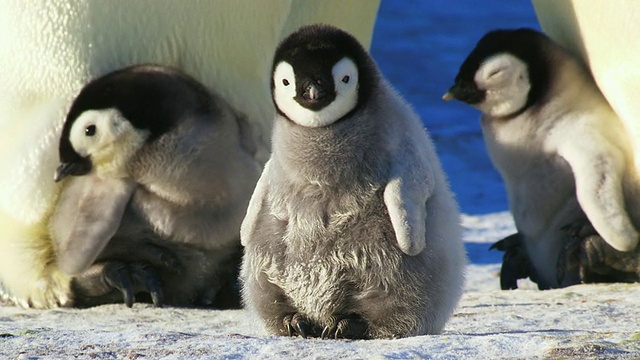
{"x":49,"y":52}
{"x":605,"y":35}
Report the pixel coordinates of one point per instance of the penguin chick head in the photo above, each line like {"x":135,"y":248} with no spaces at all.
{"x":115,"y":115}
{"x":320,"y":74}
{"x":506,"y":73}
{"x":101,"y":140}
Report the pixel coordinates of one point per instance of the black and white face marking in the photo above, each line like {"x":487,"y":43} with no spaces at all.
{"x":115,"y":114}
{"x":94,"y":130}
{"x":505,"y":81}
{"x":500,"y":86}
{"x":506,"y":73}
{"x":105,"y":140}
{"x":316,"y":99}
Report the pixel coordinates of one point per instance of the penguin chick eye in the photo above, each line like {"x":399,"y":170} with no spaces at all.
{"x":345,"y":79}
{"x":90,"y":130}
{"x":285,"y":82}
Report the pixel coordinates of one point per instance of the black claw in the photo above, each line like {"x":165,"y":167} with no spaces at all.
{"x":326,"y":332}
{"x":116,"y":275}
{"x":300,"y":325}
{"x":146,"y":276}
{"x":286,"y":321}
{"x":346,"y":327}
{"x":117,"y":281}
{"x":296,"y":324}
{"x":330,"y":330}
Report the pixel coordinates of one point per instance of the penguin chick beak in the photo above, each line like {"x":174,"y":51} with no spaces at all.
{"x":448,"y":96}
{"x":466,"y":92}
{"x":314,"y":92}
{"x":66,"y":169}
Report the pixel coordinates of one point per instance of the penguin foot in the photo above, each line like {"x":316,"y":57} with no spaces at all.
{"x":297,"y":324}
{"x":569,"y":257}
{"x":346,"y":327}
{"x":114,"y":281}
{"x":596,"y":260}
{"x":515,"y":261}
{"x":600,"y":262}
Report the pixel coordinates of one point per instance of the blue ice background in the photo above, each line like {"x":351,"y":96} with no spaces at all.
{"x":419,"y":46}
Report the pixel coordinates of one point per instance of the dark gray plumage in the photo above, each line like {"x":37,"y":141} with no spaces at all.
{"x":515,"y":261}
{"x":564,"y":155}
{"x":352,"y":231}
{"x":163,"y":173}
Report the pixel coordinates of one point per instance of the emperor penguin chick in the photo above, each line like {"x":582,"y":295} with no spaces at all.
{"x":562,"y":152}
{"x":162,"y":173}
{"x":352,"y":231}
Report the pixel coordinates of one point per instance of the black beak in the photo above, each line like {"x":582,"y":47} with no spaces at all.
{"x":76,"y":169}
{"x":314,"y":92}
{"x":465,"y":92}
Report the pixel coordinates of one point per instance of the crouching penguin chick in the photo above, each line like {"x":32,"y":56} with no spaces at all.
{"x":158,"y":172}
{"x":352,"y":231}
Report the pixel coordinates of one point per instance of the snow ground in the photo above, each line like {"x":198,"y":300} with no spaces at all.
{"x":581,"y":322}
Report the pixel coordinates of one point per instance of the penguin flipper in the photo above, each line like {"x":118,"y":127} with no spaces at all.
{"x":405,"y":197}
{"x":87,"y":216}
{"x":255,"y":205}
{"x":598,"y":169}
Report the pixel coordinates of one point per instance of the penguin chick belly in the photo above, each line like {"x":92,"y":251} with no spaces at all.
{"x":340,"y":254}
{"x":542,"y":199}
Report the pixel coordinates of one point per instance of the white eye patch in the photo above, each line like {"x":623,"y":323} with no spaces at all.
{"x":345,"y":78}
{"x":94,"y":129}
{"x":499,"y":69}
{"x":506,"y":81}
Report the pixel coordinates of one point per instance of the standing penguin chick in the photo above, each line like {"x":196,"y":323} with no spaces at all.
{"x":563,"y":153}
{"x":162,"y":177}
{"x":352,"y":231}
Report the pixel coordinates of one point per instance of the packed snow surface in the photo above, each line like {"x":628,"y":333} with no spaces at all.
{"x":581,"y":322}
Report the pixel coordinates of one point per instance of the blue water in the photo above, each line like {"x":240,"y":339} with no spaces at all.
{"x":419,"y":46}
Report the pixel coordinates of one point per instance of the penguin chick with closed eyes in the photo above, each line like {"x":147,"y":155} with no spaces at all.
{"x":352,"y":231}
{"x":158,"y":174}
{"x":561,"y":150}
